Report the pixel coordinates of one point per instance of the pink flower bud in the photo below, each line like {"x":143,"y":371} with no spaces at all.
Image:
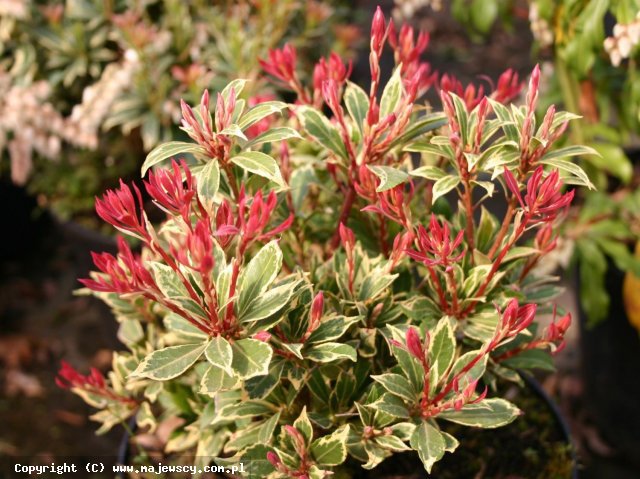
{"x":317,"y":308}
{"x":263,"y":336}
{"x":414,"y":345}
{"x":378,"y":32}
{"x":347,"y":237}
{"x":273,"y":458}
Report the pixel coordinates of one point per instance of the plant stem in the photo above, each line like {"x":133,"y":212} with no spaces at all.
{"x":344,"y":215}
{"x":506,"y":222}
{"x":228,"y":169}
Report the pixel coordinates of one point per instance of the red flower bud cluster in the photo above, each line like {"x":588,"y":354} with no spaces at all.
{"x":121,"y":209}
{"x":299,"y":445}
{"x":122,"y":274}
{"x":281,"y":64}
{"x":94,"y":383}
{"x":254,"y":215}
{"x":544,"y":199}
{"x":514,"y":319}
{"x":507,"y":88}
{"x":187,"y":248}
{"x":332,"y":69}
{"x":216,"y":143}
{"x":436,"y":247}
{"x":170,"y":191}
{"x":455,"y":393}
{"x":552,"y":337}
{"x":394,"y":204}
{"x":407,"y":49}
{"x":554,"y":333}
{"x":196,"y":251}
{"x":544,"y":240}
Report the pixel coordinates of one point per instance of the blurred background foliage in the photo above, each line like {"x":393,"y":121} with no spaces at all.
{"x":88,"y":87}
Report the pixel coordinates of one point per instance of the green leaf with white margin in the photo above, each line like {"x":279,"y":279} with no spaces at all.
{"x":519,"y":252}
{"x":444,"y":185}
{"x":216,"y":379}
{"x":392,"y":94}
{"x":275,"y":134}
{"x":170,"y":362}
{"x":389,"y":177}
{"x":432,"y":173}
{"x":531,"y":359}
{"x":257,"y":457}
{"x":219,"y":353}
{"x":410,"y":366}
{"x":442,"y":349}
{"x":328,"y":352}
{"x":392,"y":405}
{"x":266,"y":430}
{"x":130,"y":331}
{"x":429,"y":444}
{"x":397,"y":385}
{"x":258,"y":275}
{"x":264,"y":305}
{"x":374,"y":284}
{"x":476,"y":371}
{"x":331,"y":450}
{"x":168,"y":150}
{"x":260,"y":164}
{"x":320,"y":128}
{"x":233,"y":130}
{"x":571,"y":168}
{"x":168,"y":280}
{"x":236,"y":85}
{"x":208,"y":182}
{"x":392,"y":443}
{"x":331,"y":328}
{"x":251,"y":358}
{"x":303,"y":425}
{"x":488,"y":414}
{"x":260,"y":111}
{"x":450,"y":442}
{"x":357,"y":102}
{"x":245,"y":409}
{"x":613,"y":159}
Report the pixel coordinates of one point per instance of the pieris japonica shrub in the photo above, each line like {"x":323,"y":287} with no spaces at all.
{"x":328,"y":287}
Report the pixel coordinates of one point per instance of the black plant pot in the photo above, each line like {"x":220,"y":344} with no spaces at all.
{"x":610,"y":370}
{"x":408,"y":466}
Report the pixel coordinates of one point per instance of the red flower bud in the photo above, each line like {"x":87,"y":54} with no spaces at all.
{"x":378,"y":32}
{"x":281,"y":63}
{"x":317,"y":308}
{"x":435,"y":247}
{"x":414,"y":345}
{"x":263,"y":336}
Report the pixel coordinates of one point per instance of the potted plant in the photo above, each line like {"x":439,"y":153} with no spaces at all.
{"x":328,"y":293}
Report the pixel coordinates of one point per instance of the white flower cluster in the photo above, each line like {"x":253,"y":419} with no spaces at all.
{"x":625,"y":37}
{"x":406,"y":9}
{"x":14,"y":8}
{"x":97,"y":99}
{"x":540,"y":27}
{"x":28,"y":123}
